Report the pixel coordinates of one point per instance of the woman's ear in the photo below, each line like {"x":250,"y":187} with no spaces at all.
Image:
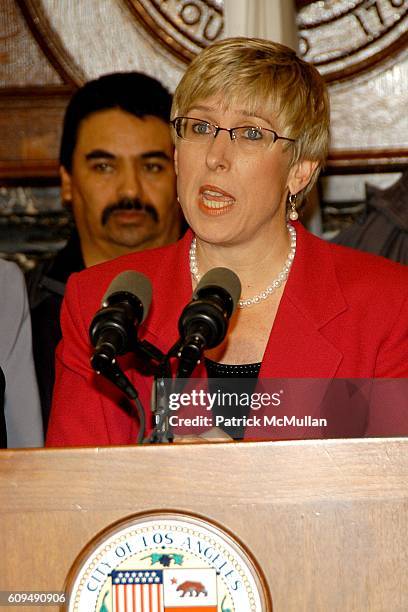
{"x":66,"y":185}
{"x":300,"y":175}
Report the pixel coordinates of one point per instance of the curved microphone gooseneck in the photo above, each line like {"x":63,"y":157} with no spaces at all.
{"x":113,"y":331}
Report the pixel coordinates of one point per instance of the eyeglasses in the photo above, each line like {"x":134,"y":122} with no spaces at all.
{"x":248,"y":137}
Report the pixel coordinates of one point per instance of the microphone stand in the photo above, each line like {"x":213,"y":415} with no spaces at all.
{"x":107,"y":366}
{"x":160,"y":365}
{"x":162,"y":430}
{"x":190,"y":356}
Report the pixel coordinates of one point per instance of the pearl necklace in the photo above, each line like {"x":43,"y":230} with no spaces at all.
{"x":275,"y":284}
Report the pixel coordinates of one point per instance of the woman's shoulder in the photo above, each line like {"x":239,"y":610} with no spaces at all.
{"x":348,"y":277}
{"x":367,"y":268}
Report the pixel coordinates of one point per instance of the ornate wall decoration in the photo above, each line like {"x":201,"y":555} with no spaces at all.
{"x":361,"y":48}
{"x":47,"y":48}
{"x":102,"y":37}
{"x":21,"y":61}
{"x":359,"y":45}
{"x":50,"y":43}
{"x":344,"y":37}
{"x":183,"y":27}
{"x":369,"y":119}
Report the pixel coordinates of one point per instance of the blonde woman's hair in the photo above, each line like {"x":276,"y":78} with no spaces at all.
{"x":265,"y":78}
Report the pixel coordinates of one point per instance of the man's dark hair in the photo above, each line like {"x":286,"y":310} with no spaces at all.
{"x":133,"y":92}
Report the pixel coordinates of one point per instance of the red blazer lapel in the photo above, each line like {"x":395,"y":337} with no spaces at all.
{"x":298,"y":347}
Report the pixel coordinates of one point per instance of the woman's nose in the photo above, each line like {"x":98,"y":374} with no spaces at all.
{"x":220,"y":150}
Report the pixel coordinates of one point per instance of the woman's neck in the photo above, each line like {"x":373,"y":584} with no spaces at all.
{"x":256,"y":262}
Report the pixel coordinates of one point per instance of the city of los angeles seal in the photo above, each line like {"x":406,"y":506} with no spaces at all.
{"x":166,"y":562}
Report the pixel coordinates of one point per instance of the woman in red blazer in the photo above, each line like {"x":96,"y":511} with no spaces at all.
{"x":251,"y":130}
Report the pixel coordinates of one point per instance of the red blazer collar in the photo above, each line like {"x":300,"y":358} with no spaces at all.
{"x":297,"y":346}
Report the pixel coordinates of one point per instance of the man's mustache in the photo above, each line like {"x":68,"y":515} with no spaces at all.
{"x":130,"y":204}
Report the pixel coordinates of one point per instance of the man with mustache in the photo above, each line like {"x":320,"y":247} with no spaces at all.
{"x":117,"y":176}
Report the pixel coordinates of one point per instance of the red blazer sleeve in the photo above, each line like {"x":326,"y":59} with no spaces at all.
{"x":86,"y":408}
{"x":388,"y":414}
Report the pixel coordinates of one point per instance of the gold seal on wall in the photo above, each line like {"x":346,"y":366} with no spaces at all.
{"x":183,"y":27}
{"x":344,"y":37}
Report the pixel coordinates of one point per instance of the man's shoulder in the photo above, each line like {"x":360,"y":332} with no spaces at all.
{"x":46,"y":281}
{"x":34,"y":279}
{"x":150,"y":262}
{"x":159,"y":265}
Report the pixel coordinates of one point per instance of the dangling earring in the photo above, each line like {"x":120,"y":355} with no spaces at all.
{"x":293,"y":213}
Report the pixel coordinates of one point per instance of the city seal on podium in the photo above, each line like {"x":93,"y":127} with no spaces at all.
{"x":165,"y":561}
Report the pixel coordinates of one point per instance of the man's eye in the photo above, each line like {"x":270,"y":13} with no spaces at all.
{"x":153,"y":167}
{"x":201,"y":128}
{"x":103,"y":167}
{"x":252,"y":133}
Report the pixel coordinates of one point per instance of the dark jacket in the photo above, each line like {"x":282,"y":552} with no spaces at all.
{"x":46,"y":286}
{"x":382,"y":228}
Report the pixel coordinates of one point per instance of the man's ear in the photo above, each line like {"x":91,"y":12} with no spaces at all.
{"x":175,"y":161}
{"x":300,"y":174}
{"x":66,"y":185}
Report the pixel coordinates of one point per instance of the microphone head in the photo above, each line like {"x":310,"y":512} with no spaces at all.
{"x":224,"y":278}
{"x":135,"y":283}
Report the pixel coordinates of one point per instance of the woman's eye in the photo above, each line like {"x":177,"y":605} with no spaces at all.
{"x":252,"y":133}
{"x":201,"y":128}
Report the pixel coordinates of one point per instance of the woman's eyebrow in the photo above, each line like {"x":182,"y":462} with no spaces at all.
{"x":240,"y":111}
{"x":201,"y":108}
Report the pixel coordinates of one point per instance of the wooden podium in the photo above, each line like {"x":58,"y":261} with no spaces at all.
{"x":326,"y":520}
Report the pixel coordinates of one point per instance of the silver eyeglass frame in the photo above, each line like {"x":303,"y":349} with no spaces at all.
{"x":231,"y":131}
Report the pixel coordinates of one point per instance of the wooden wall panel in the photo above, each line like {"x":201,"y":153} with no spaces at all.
{"x":30,"y":131}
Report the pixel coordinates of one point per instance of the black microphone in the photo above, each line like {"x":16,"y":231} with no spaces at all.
{"x":204,"y":321}
{"x":114,"y":327}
